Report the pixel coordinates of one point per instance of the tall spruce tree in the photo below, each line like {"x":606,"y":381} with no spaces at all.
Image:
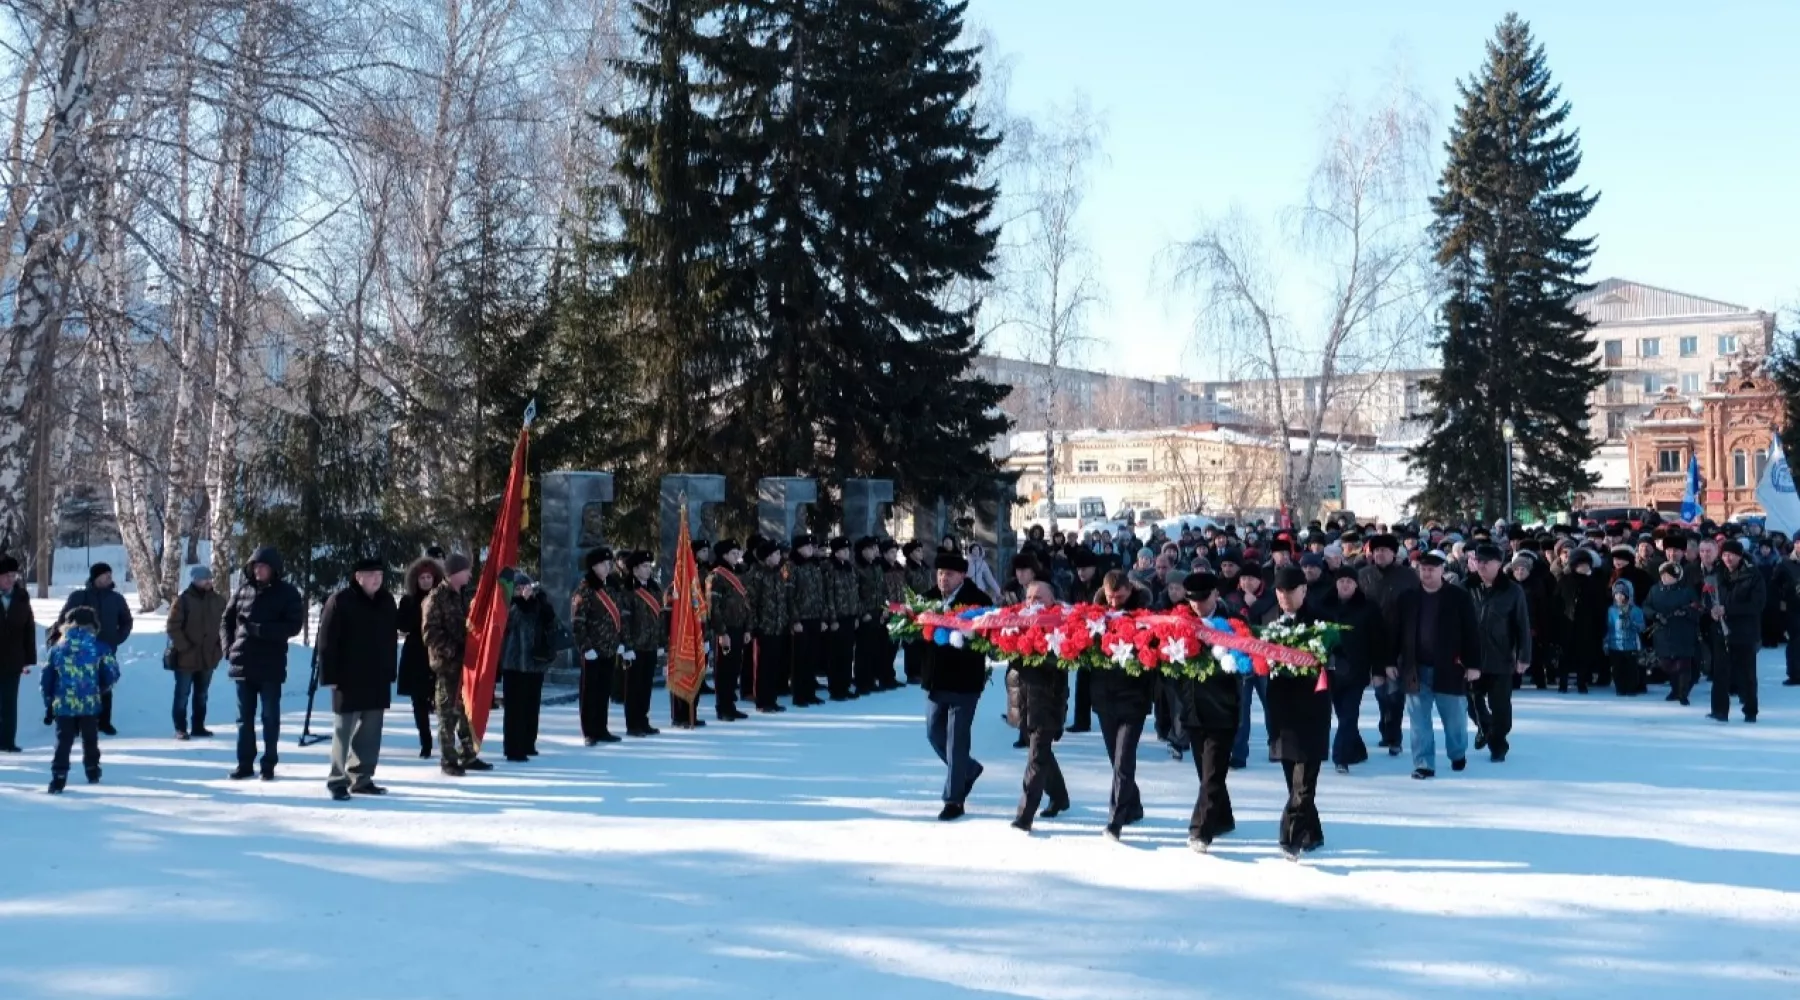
{"x":855,"y":120}
{"x":686,"y":335}
{"x":1783,"y":365}
{"x":1513,"y":345}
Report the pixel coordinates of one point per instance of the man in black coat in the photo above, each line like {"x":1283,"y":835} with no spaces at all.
{"x":1123,"y":702}
{"x":1087,"y":585}
{"x":18,"y":649}
{"x":1209,"y":713}
{"x":1742,"y":594}
{"x":1383,"y":580}
{"x":1361,"y":655}
{"x":954,"y":677}
{"x":358,"y":642}
{"x":1299,"y":714}
{"x":1440,"y":653}
{"x":1503,"y":619}
{"x":263,"y":615}
{"x":113,"y":614}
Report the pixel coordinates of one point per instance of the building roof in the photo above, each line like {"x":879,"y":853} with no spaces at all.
{"x":1617,"y":300}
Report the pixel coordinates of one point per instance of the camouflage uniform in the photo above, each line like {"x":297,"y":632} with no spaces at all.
{"x":842,"y":589}
{"x":646,"y":631}
{"x":874,"y":652}
{"x":919,"y":577}
{"x":766,"y":593}
{"x":598,"y":622}
{"x":809,"y":605}
{"x":728,"y":619}
{"x":445,"y":629}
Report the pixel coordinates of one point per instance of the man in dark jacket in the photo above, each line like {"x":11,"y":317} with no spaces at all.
{"x":1122,"y":702}
{"x":1210,"y":715}
{"x":1255,"y":603}
{"x":1786,"y":592}
{"x":1504,"y":620}
{"x":1361,"y":655}
{"x":263,"y":615}
{"x":1383,"y":580}
{"x":1087,"y":585}
{"x":1742,"y":594}
{"x":358,"y":643}
{"x":1440,"y":651}
{"x":18,"y":649}
{"x":195,"y":649}
{"x":954,"y":677}
{"x":114,"y":617}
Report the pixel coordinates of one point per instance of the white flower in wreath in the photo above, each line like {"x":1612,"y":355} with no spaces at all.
{"x":1175,"y":649}
{"x":1122,"y":652}
{"x":1097,"y":626}
{"x":1054,"y":642}
{"x":1009,"y":631}
{"x":957,"y":639}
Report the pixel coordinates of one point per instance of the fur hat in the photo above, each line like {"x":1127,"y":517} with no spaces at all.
{"x":596,"y":556}
{"x":1384,"y":541}
{"x":637,"y":558}
{"x":726,"y":545}
{"x":10,"y":565}
{"x":1199,"y":585}
{"x":766,"y":549}
{"x":838,"y":544}
{"x":370,"y":564}
{"x":953,"y":562}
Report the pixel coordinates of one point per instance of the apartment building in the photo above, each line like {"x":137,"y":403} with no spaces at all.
{"x":1649,"y":339}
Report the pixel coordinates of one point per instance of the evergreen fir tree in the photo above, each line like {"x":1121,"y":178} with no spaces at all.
{"x":1514,"y":347}
{"x":855,"y":121}
{"x":1783,"y":366}
{"x":683,"y":333}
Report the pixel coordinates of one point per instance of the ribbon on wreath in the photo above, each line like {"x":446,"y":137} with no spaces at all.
{"x":943,"y":625}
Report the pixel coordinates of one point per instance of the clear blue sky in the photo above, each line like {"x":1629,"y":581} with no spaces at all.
{"x":1689,"y":116}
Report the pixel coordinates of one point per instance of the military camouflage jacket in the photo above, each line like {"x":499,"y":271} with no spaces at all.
{"x":445,"y":628}
{"x":841,"y":587}
{"x":871,"y":588}
{"x":646,"y":621}
{"x":766,"y":590}
{"x":893,"y":583}
{"x":807,"y":598}
{"x":598,"y":622}
{"x":919,"y":577}
{"x":727,"y":603}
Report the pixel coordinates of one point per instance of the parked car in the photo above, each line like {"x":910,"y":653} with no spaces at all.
{"x":1639,"y":518}
{"x":1172,"y":526}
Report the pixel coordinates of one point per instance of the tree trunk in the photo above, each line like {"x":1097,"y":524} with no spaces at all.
{"x":41,"y":294}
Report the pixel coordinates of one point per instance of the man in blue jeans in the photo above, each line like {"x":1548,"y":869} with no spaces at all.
{"x":1254,"y":603}
{"x":1439,"y":655}
{"x":954,"y":677}
{"x":263,"y":615}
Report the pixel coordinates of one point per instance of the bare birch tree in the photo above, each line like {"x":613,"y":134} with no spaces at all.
{"x":1361,"y":231}
{"x":1054,"y":286}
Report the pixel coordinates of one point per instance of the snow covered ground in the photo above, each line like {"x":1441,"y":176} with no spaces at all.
{"x":1629,"y":848}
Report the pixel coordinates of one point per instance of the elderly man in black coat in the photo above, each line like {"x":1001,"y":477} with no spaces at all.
{"x":18,"y":649}
{"x":1440,"y":653}
{"x":1209,"y":713}
{"x":358,"y":641}
{"x":954,"y":677}
{"x":1299,"y":715}
{"x":1123,"y":702}
{"x":263,"y":615}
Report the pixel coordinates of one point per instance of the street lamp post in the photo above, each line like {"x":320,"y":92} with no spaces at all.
{"x":1506,"y":434}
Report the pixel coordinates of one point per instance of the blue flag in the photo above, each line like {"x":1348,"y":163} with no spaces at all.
{"x":1691,"y":511}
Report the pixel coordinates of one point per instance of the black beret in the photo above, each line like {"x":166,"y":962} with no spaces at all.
{"x":1290,"y":578}
{"x":953,"y":562}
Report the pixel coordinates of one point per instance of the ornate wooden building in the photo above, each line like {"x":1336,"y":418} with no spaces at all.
{"x":1729,"y":426}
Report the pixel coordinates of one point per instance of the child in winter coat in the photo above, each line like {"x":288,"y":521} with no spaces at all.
{"x":78,"y":673}
{"x":1675,"y":608}
{"x":1624,"y":643}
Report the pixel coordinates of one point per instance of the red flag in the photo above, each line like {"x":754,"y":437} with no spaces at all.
{"x":687,"y":614}
{"x":487,"y":615}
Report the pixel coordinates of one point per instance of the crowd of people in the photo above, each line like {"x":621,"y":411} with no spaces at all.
{"x":1444,"y":623}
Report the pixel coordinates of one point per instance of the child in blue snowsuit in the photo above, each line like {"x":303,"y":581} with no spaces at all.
{"x":1624,"y":640}
{"x":78,"y":673}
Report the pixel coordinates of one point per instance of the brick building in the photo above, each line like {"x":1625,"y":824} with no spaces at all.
{"x":1729,"y":427}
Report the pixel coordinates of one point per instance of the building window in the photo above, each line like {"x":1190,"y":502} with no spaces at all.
{"x":1762,"y":465}
{"x":1615,"y":424}
{"x":1650,"y":347}
{"x":1652,"y":384}
{"x":1088,"y":465}
{"x":1615,"y":353}
{"x":1740,"y":469}
{"x":1668,"y":460}
{"x":1690,"y":346}
{"x":1137,"y":465}
{"x":1690,"y":384}
{"x":1727,"y":344}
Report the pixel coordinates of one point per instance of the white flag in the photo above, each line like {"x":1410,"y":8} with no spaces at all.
{"x":1775,"y":491}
